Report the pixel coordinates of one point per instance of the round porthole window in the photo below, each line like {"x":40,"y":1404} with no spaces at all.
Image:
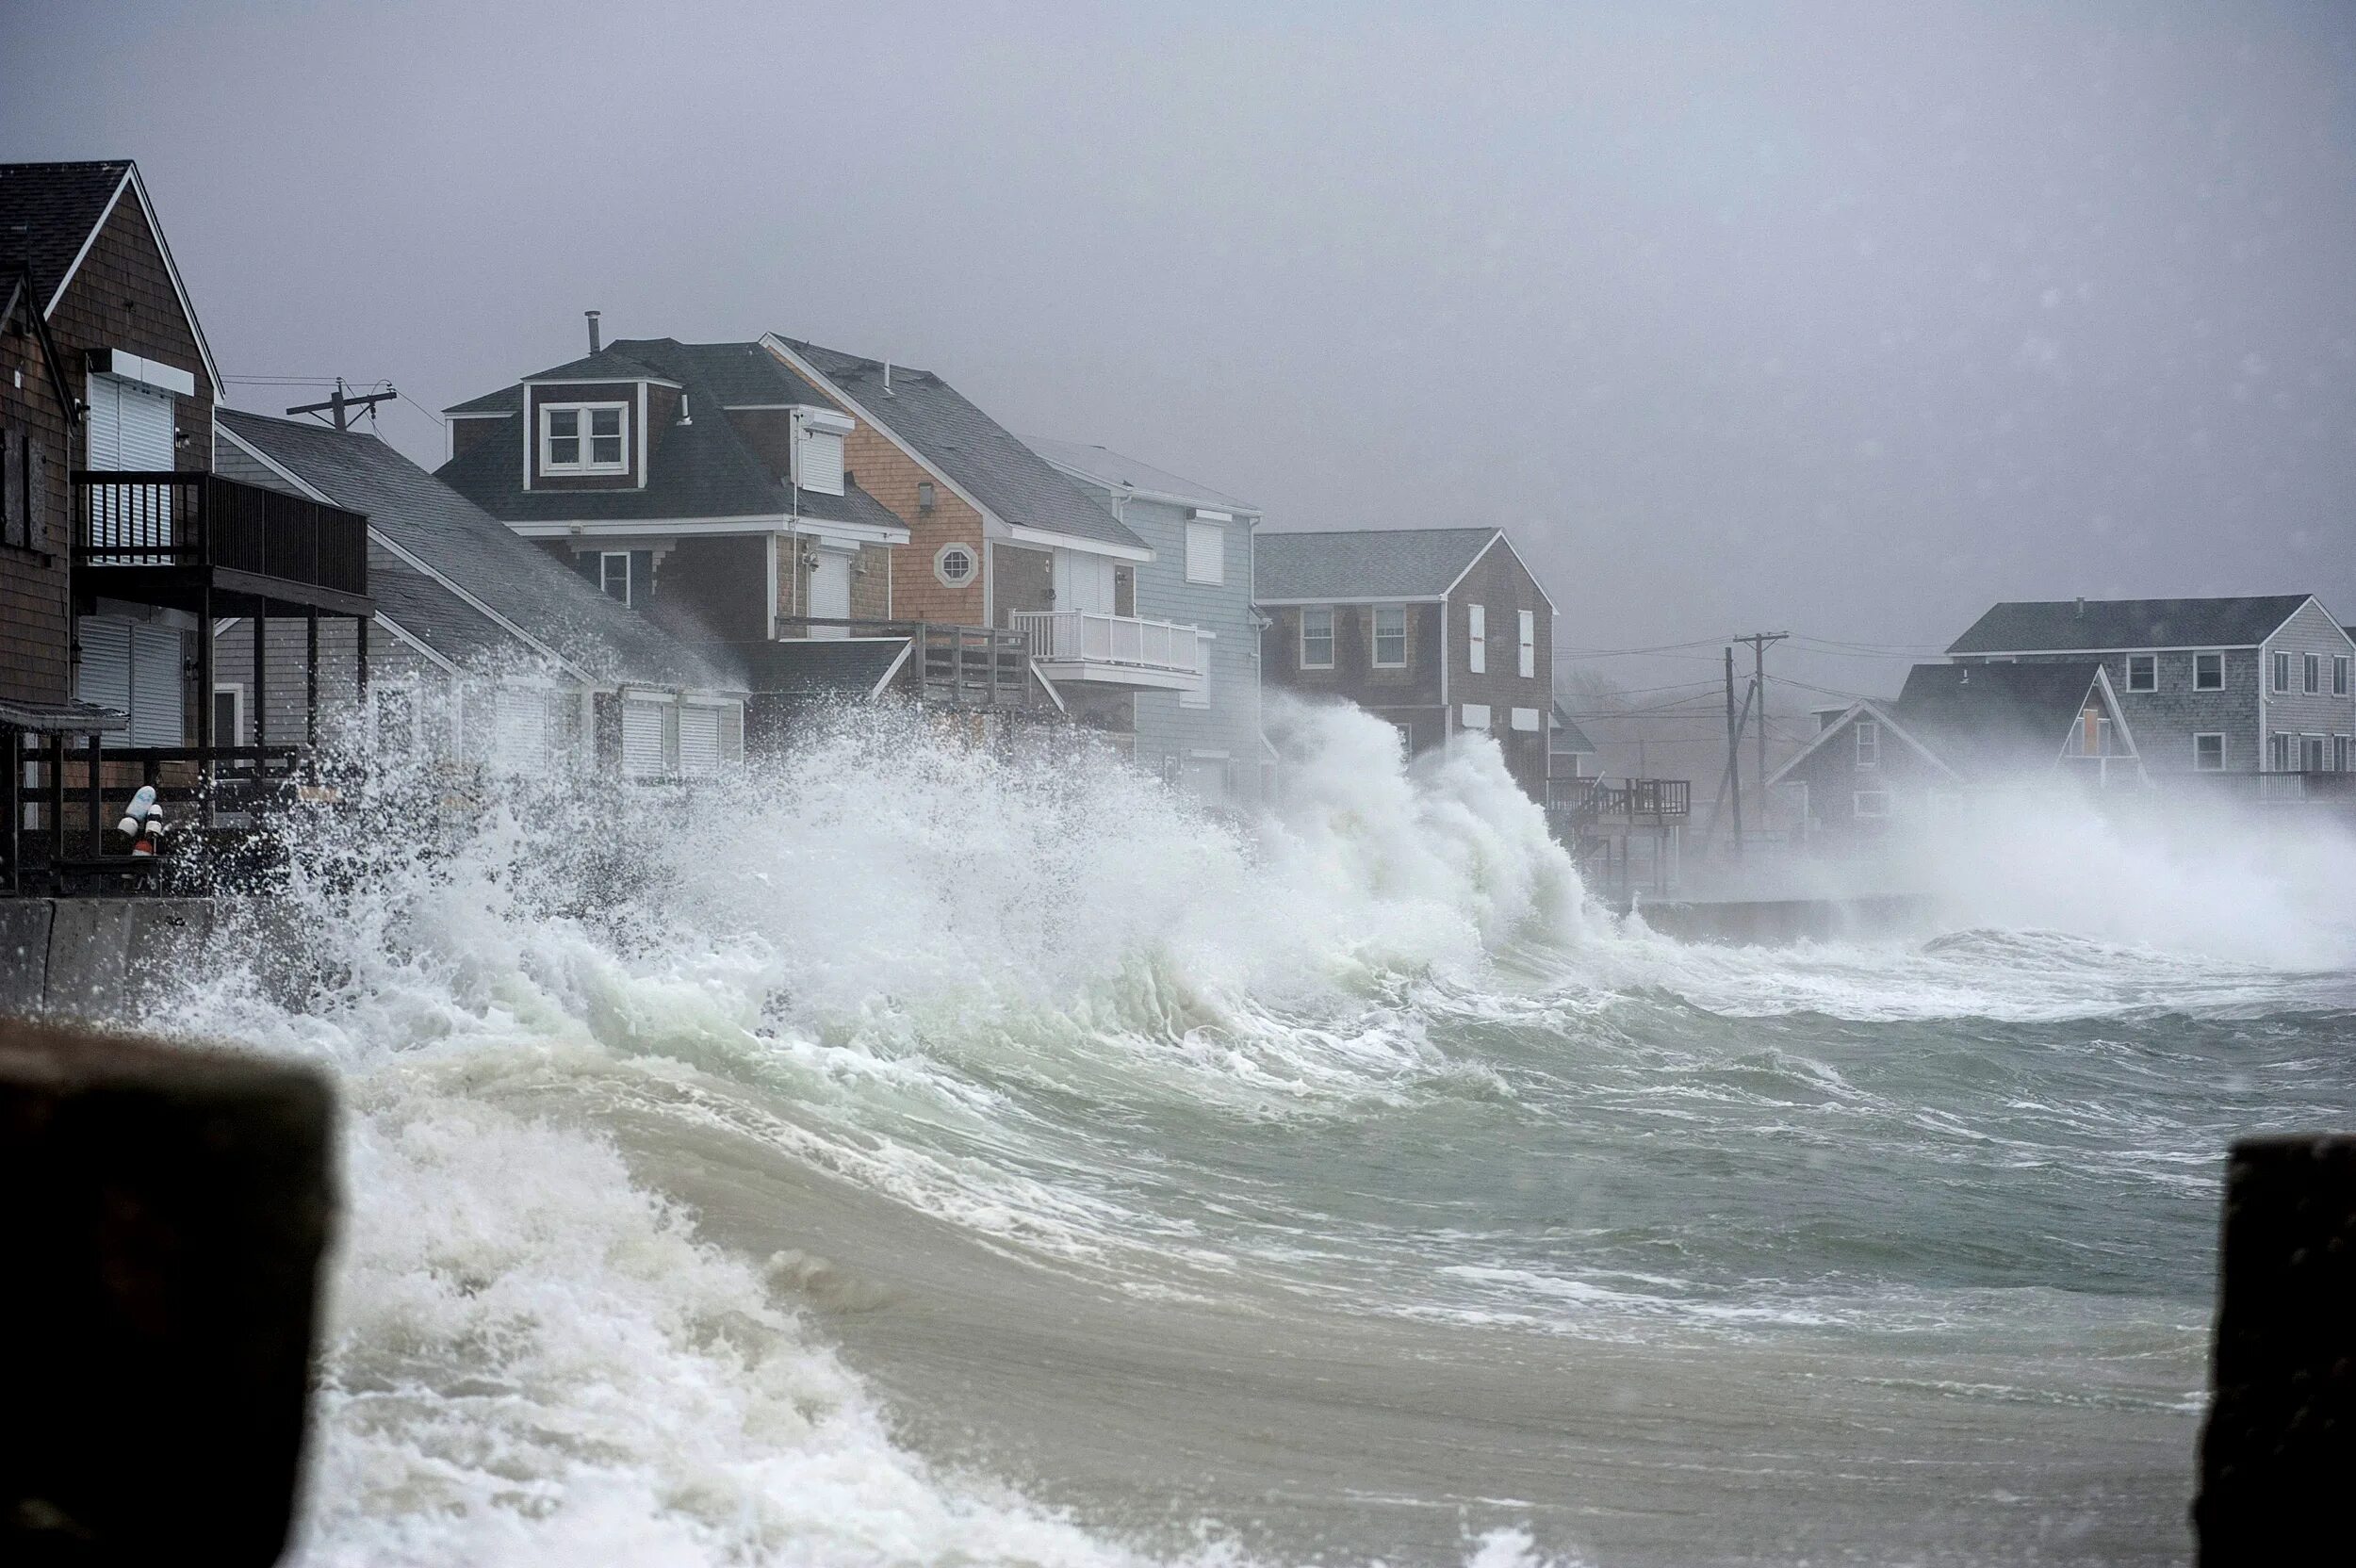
{"x":956,"y":566}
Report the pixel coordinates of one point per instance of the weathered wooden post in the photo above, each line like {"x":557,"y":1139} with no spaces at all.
{"x":163,"y":1213}
{"x":2278,"y":1456}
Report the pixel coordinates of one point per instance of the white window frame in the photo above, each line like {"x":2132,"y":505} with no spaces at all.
{"x":941,"y":565}
{"x":587,"y":464}
{"x":2310,"y":675}
{"x":1375,"y":642}
{"x":1477,"y":628}
{"x":2279,"y":750}
{"x":2339,"y":753}
{"x":235,"y":690}
{"x":1858,"y":800}
{"x":1530,"y":644}
{"x":1197,"y":532}
{"x":2339,"y":675}
{"x":2281,"y":672}
{"x":1307,"y":611}
{"x":2201,"y":685}
{"x":630,"y":586}
{"x":2149,"y":664}
{"x":1868,"y":740}
{"x":2198,"y":765}
{"x":2315,"y":746}
{"x":1476,"y":716}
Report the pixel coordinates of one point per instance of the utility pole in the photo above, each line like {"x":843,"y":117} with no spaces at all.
{"x":1734,"y":753}
{"x":1760,"y":642}
{"x":343,"y":404}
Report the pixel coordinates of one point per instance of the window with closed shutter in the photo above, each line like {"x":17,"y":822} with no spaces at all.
{"x":822,"y":462}
{"x":130,"y":432}
{"x":1206,"y":553}
{"x":698,"y":740}
{"x":102,"y":676}
{"x":159,"y":686}
{"x":641,"y":738}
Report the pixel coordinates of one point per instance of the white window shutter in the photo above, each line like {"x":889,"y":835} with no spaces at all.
{"x":642,"y":739}
{"x":1478,"y":615}
{"x":1206,"y":553}
{"x":159,"y":686}
{"x":103,"y":677}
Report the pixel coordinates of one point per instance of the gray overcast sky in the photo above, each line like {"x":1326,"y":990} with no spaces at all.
{"x":1848,"y":318}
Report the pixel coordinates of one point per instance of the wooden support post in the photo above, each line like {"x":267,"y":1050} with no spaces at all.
{"x":207,"y":733}
{"x":311,"y":676}
{"x":360,"y":655}
{"x":57,"y":801}
{"x":258,"y":704}
{"x":12,"y":802}
{"x":97,"y":817}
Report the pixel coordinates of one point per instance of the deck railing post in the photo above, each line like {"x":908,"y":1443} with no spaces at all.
{"x":97,"y":825}
{"x":311,"y":676}
{"x":12,"y":802}
{"x":56,"y":800}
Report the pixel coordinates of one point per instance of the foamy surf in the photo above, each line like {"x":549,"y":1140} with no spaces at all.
{"x":992,"y":1159}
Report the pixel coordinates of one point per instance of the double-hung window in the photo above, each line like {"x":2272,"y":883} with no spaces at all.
{"x":1869,"y":744}
{"x":2311,"y":672}
{"x":1316,"y":638}
{"x":614,"y":575}
{"x":1477,"y":617}
{"x":2143,"y":671}
{"x":2281,"y":672}
{"x":2208,"y":672}
{"x":2339,"y":675}
{"x":1390,"y":636}
{"x":583,"y":438}
{"x":1530,"y":644}
{"x":2339,"y":753}
{"x":1870,"y":803}
{"x":2208,"y":754}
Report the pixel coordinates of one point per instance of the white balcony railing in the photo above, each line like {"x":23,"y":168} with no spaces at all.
{"x":1094,"y":637}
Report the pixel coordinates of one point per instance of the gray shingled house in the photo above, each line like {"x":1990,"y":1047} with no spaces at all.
{"x":1438,"y":630}
{"x":485,"y":648}
{"x":1955,"y":734}
{"x":2256,"y":684}
{"x":1205,"y":734}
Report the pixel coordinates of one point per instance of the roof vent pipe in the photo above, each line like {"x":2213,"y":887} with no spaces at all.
{"x":888,"y":378}
{"x":2081,"y":609}
{"x":593,"y":344}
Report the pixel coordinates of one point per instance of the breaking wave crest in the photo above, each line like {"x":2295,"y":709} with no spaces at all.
{"x":657,"y":1099}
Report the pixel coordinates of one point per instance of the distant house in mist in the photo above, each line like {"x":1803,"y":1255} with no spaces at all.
{"x":1437,"y":630}
{"x":2246,"y":685}
{"x":1956,"y":733}
{"x":484,"y":648}
{"x":1202,"y":733}
{"x":1571,"y":757}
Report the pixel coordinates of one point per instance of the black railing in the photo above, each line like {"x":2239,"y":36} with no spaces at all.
{"x":1643,"y":800}
{"x":203,"y":520}
{"x":62,"y":802}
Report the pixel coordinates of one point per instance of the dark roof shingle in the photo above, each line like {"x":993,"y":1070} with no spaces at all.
{"x":415,"y":512}
{"x":1990,"y":720}
{"x":47,"y":210}
{"x":2074,"y":625}
{"x":1363,"y":564}
{"x":986,"y":460}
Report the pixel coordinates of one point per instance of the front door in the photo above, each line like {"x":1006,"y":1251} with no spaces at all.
{"x":830,"y":591}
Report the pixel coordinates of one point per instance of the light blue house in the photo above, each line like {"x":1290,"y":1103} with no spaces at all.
{"x":1208,"y":740}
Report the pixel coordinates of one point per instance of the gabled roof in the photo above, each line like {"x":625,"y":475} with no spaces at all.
{"x":474,"y":563}
{"x":1363,"y":564}
{"x":2072,"y":625}
{"x":699,"y":469}
{"x":50,"y":212}
{"x":607,"y":364}
{"x":1987,"y":719}
{"x":1865,"y":707}
{"x":1117,"y":471}
{"x":1567,"y":737}
{"x":978,"y":455}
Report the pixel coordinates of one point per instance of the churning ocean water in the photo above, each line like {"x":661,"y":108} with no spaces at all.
{"x":915,"y":1156}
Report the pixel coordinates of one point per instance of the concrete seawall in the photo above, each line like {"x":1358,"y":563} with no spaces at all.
{"x":112,"y":959}
{"x":1774,"y":921}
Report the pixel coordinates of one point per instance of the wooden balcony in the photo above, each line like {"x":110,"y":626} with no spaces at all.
{"x":216,"y":548}
{"x":947,"y":665}
{"x":1590,"y":803}
{"x":1114,"y":650}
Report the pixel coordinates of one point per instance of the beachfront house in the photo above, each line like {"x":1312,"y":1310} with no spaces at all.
{"x":1956,"y":735}
{"x":2230,"y":687}
{"x":1199,"y":729}
{"x":1000,"y":537}
{"x":1438,"y":630}
{"x":486,"y":648}
{"x":118,"y":545}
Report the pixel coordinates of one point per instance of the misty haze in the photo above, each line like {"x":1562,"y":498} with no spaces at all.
{"x":1503,"y":786}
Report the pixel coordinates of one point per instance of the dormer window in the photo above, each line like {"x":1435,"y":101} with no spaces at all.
{"x":583,"y":438}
